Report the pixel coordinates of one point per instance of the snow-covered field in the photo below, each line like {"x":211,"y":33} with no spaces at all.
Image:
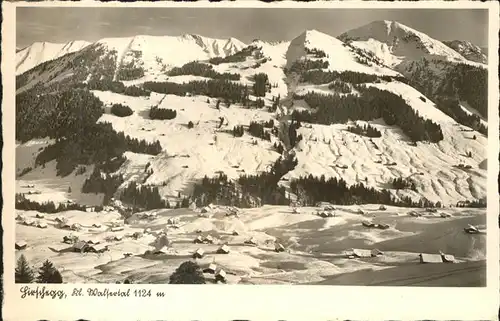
{"x":315,"y":246}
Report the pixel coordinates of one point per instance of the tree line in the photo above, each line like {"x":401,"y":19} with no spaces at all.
{"x":239,"y":56}
{"x":365,"y":130}
{"x":372,"y":104}
{"x":162,"y":113}
{"x":22,"y":203}
{"x":203,"y":70}
{"x":311,"y":189}
{"x":215,"y":88}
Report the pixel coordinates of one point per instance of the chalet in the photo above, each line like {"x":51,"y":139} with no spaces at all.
{"x":117,"y":229}
{"x":235,"y":233}
{"x":29,"y":222}
{"x":21,"y":245}
{"x":210,"y":269}
{"x":80,"y":246}
{"x":128,"y":254}
{"x":76,"y":227}
{"x":363,"y":253}
{"x":360,"y":211}
{"x":329,"y":208}
{"x":251,"y":241}
{"x":382,"y":226}
{"x":295,"y":210}
{"x":368,"y":224}
{"x":430,"y":258}
{"x":69,"y":239}
{"x":20,"y":217}
{"x":147,"y":231}
{"x":97,"y":248}
{"x":90,"y":209}
{"x":198,"y":254}
{"x":198,"y":231}
{"x":444,"y":215}
{"x":471,"y":229}
{"x":97,"y":225}
{"x":224,"y":249}
{"x":414,"y":214}
{"x":137,"y":235}
{"x":278,"y":247}
{"x":118,"y":237}
{"x":220,"y":276}
{"x":208,"y":239}
{"x":205,"y":209}
{"x":382,"y":208}
{"x":198,"y":239}
{"x":39,"y":215}
{"x":60,"y":219}
{"x":41,"y":225}
{"x":173,"y":220}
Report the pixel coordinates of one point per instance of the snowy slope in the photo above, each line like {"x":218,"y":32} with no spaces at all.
{"x":339,"y":56}
{"x":394,"y":42}
{"x":325,"y":148}
{"x":40,"y":52}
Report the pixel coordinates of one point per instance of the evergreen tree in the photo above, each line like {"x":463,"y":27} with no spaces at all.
{"x":187,"y":273}
{"x":23,"y":272}
{"x":48,"y":273}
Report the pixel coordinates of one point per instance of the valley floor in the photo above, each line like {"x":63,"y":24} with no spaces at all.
{"x":315,"y":247}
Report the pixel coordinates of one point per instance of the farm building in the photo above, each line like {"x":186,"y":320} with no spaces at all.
{"x":97,"y":248}
{"x":382,"y":208}
{"x":20,"y":217}
{"x":251,"y":241}
{"x":363,"y":253}
{"x":97,"y":225}
{"x":137,"y":235}
{"x":430,"y":258}
{"x":76,"y":227}
{"x":70,"y":239}
{"x":205,"y":209}
{"x":80,"y":246}
{"x":278,"y":247}
{"x":220,"y":276}
{"x":147,"y":230}
{"x":235,"y":233}
{"x":90,"y":209}
{"x":295,"y":210}
{"x":368,"y":224}
{"x":173,"y":220}
{"x":444,"y":215}
{"x":329,"y":208}
{"x":382,"y":226}
{"x":39,"y":215}
{"x":198,"y":239}
{"x":471,"y":229}
{"x":208,"y":239}
{"x":198,"y":254}
{"x":118,"y":237}
{"x":21,"y":245}
{"x":210,"y":269}
{"x":60,"y":219}
{"x":41,"y":225}
{"x":224,"y":249}
{"x":414,"y":214}
{"x":29,"y":222}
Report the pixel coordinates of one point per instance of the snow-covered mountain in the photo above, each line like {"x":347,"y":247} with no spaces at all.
{"x":468,"y":50}
{"x":154,"y":50}
{"x":394,"y":42}
{"x":201,"y":140}
{"x":40,"y":52}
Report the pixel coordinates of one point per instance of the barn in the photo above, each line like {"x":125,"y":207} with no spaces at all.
{"x":21,"y":245}
{"x":224,"y":249}
{"x":430,"y":258}
{"x":198,"y":254}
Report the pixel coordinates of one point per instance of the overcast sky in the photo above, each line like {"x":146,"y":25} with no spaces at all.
{"x":270,"y":24}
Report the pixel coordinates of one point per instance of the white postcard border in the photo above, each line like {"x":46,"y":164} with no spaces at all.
{"x":258,"y":302}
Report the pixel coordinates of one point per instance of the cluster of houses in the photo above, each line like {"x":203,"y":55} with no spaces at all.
{"x":204,"y":240}
{"x":326,"y":214}
{"x":424,"y":257}
{"x":420,"y":214}
{"x":34,"y":223}
{"x":219,"y":273}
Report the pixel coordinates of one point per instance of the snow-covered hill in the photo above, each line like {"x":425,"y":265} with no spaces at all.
{"x":468,"y":50}
{"x":40,"y":52}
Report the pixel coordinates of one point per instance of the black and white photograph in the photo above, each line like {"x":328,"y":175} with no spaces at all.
{"x":251,"y":146}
